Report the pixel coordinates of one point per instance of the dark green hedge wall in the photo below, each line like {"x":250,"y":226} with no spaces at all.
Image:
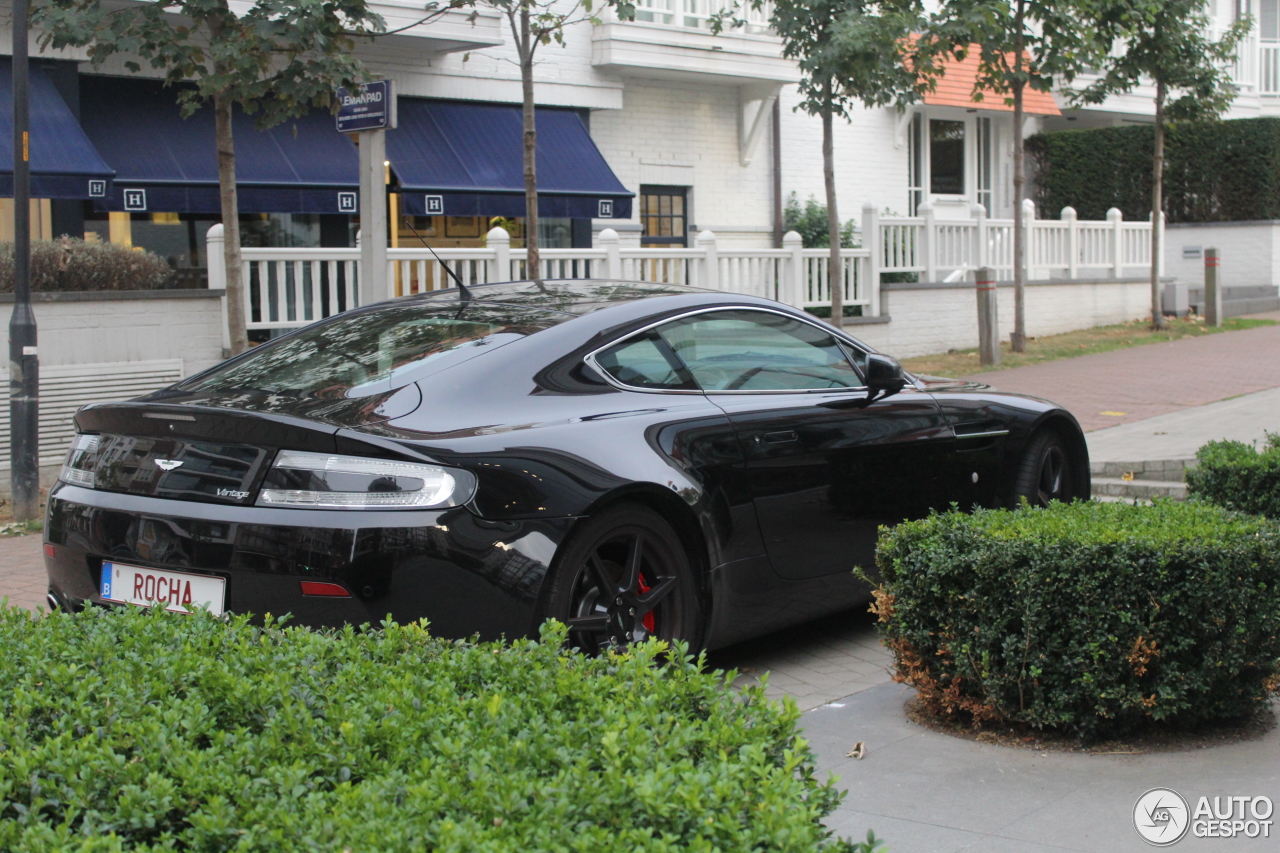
{"x":1225,"y":171}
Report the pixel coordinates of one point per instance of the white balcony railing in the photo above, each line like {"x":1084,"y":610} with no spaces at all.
{"x":288,"y":288}
{"x":1269,"y":68}
{"x":698,"y":13}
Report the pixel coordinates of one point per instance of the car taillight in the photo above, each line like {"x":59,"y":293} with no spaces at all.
{"x":82,"y":458}
{"x":325,"y":481}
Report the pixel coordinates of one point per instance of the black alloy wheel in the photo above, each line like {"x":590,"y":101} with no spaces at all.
{"x":622,"y":578}
{"x":1044,"y":471}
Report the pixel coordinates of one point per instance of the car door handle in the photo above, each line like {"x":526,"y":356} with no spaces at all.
{"x":781,"y":437}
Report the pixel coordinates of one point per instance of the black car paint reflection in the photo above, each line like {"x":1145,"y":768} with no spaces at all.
{"x":776,"y":496}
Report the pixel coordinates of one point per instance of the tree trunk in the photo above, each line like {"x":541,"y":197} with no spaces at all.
{"x":1018,"y":340}
{"x":527,"y":47}
{"x":230,"y":222}
{"x":1157,"y":206}
{"x":835,"y":268}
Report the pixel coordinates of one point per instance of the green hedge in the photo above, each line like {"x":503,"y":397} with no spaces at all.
{"x":75,"y":265}
{"x":1237,"y":476}
{"x":1214,"y":171}
{"x":152,"y":731}
{"x":1090,"y":618}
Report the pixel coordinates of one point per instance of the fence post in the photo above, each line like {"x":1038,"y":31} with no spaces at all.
{"x":978,"y":213}
{"x":1163,"y":250}
{"x":612,"y":256}
{"x":216,"y":262}
{"x":710,"y":274}
{"x":1212,"y":293}
{"x":1116,"y":219}
{"x":1073,"y":241}
{"x":1028,"y":238}
{"x":793,"y":265}
{"x":988,"y":319}
{"x":928,"y":240}
{"x":873,"y":241}
{"x":500,"y":241}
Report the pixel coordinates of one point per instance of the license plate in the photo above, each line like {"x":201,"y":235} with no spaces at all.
{"x":177,"y":591}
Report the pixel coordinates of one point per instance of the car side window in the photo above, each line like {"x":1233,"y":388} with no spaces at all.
{"x":645,"y":362}
{"x":746,"y":350}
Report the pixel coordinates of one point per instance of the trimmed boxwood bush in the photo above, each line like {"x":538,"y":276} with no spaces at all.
{"x":1089,"y":618}
{"x":1238,"y":476}
{"x":144,"y":730}
{"x":1221,"y":171}
{"x":74,"y":265}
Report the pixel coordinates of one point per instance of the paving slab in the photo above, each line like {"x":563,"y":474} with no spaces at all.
{"x":925,"y":792}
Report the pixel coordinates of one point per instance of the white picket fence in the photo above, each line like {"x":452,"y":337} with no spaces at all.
{"x":946,"y":249}
{"x":288,"y":288}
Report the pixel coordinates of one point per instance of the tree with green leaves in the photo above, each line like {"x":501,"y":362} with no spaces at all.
{"x":1166,"y":43}
{"x":276,"y":59}
{"x":849,"y":52}
{"x":810,"y":222}
{"x":1020,"y":44}
{"x":535,"y":23}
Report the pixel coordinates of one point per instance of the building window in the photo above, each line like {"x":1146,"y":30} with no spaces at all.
{"x":1269,"y":20}
{"x":663,"y":216}
{"x":946,"y":157}
{"x":986,"y":153}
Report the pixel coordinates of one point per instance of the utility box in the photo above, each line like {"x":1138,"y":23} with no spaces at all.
{"x":1175,"y":300}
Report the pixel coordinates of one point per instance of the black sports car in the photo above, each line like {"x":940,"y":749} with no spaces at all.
{"x":633,"y":459}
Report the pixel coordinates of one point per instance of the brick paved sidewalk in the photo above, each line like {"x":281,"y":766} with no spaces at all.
{"x":22,"y":576}
{"x":1151,"y":379}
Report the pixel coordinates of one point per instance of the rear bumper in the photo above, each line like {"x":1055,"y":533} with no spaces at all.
{"x":464,"y":574}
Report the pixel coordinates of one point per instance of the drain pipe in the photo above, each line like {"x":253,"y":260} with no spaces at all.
{"x":776,"y":145}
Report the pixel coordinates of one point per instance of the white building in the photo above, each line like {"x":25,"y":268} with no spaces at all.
{"x":685,"y":119}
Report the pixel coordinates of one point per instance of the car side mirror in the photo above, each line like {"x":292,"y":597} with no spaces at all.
{"x":884,"y":375}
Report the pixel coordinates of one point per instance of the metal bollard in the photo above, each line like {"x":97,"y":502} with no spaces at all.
{"x":988,"y":320}
{"x":1212,"y":293}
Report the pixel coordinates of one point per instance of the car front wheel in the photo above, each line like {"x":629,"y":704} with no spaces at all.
{"x":1044,"y":471}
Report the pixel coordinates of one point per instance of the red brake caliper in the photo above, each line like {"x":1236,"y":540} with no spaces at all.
{"x":647,"y":621}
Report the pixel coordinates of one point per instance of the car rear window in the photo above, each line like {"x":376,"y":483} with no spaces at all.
{"x":372,"y":351}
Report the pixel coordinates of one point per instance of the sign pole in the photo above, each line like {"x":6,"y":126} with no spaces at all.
{"x":370,"y":111}
{"x":373,"y":217}
{"x":24,"y":368}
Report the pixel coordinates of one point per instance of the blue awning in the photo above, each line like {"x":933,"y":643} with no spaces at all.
{"x":64,"y":163}
{"x":164,"y":162}
{"x":466,"y":159}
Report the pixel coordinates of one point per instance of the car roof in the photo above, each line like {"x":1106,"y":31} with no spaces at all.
{"x":565,"y":296}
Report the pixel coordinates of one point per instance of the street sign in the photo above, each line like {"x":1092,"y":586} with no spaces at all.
{"x":371,"y":107}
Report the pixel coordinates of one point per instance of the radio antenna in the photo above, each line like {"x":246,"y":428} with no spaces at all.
{"x":463,"y":291}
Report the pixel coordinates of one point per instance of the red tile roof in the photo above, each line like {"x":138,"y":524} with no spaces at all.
{"x":955,"y":89}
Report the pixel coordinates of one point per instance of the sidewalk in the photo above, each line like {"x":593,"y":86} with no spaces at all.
{"x":924,"y":792}
{"x":22,"y":576}
{"x":1153,"y":379}
{"x":1178,"y":435}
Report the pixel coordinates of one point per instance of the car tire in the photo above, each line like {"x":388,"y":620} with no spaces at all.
{"x":1044,"y":471}
{"x":623,"y":577}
